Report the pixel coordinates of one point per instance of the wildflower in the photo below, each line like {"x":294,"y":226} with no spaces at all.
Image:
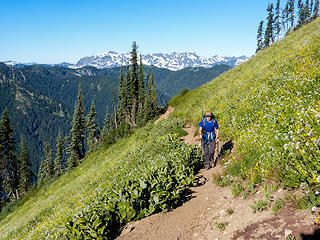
{"x":317,"y":193}
{"x":318,"y":180}
{"x":314,"y":209}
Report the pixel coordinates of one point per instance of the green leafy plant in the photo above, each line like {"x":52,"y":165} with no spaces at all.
{"x":222,"y":180}
{"x":259,"y":205}
{"x":221,"y":225}
{"x":279,"y":203}
{"x":237,"y":189}
{"x":230,"y":211}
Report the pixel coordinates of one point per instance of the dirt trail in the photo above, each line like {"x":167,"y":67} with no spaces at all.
{"x":208,"y":206}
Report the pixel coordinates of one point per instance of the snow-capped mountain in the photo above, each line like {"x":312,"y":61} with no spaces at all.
{"x":173,"y":61}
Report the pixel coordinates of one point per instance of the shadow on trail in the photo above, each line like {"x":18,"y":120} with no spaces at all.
{"x":199,"y":181}
{"x":314,"y":236}
{"x":226,"y":148}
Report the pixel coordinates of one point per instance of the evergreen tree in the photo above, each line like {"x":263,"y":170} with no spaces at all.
{"x":300,"y":12}
{"x":133,"y":85}
{"x":148,"y":111}
{"x":277,"y":27}
{"x":115,"y":118}
{"x":122,"y":99}
{"x":25,"y":180}
{"x":315,"y":9}
{"x":59,"y":155}
{"x":291,"y":13}
{"x":128,"y":93}
{"x":285,"y":17}
{"x":307,"y":13}
{"x":154,"y":96}
{"x":311,"y":9}
{"x":141,"y":94}
{"x":8,"y":154}
{"x":46,"y":170}
{"x":92,"y":126}
{"x":269,"y":35}
{"x":107,"y":124}
{"x":77,"y":146}
{"x":260,"y":37}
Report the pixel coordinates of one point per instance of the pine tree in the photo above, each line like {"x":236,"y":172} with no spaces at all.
{"x":92,"y":125}
{"x":291,"y":13}
{"x":277,"y":27}
{"x":8,"y":154}
{"x":59,"y":155}
{"x":300,"y":12}
{"x":128,"y":93}
{"x":269,"y":35}
{"x":115,"y":117}
{"x":107,"y":124}
{"x":315,"y":9}
{"x":154,"y":96}
{"x":46,"y":170}
{"x":311,"y":9}
{"x":77,"y":146}
{"x":141,"y":94}
{"x":25,"y":180}
{"x":148,"y":111}
{"x":307,"y":13}
{"x":285,"y":17}
{"x":122,"y":99}
{"x":260,"y":37}
{"x":134,"y":84}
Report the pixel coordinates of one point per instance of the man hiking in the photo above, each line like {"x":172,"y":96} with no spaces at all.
{"x":209,"y":132}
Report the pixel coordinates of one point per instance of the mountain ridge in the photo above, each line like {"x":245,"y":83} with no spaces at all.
{"x":174,"y":61}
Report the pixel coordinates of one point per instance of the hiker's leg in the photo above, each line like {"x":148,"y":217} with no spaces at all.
{"x":211,"y":151}
{"x":206,"y":154}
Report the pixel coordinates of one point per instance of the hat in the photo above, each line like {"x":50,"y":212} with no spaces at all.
{"x":208,"y":114}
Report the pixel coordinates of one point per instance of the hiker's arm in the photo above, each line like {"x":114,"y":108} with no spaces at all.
{"x":217,"y":135}
{"x":200,"y":131}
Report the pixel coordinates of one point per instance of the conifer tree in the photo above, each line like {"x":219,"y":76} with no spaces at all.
{"x":128,"y":93}
{"x":291,"y":13}
{"x":311,"y":9}
{"x":141,"y":94}
{"x":134,"y":84}
{"x":122,"y":99}
{"x":59,"y":155}
{"x":107,"y":124}
{"x":148,"y":111}
{"x":277,"y":27}
{"x":269,"y":35}
{"x":315,"y":9}
{"x":46,"y":170}
{"x":285,"y":17}
{"x":25,"y":179}
{"x":300,"y":12}
{"x":115,"y":118}
{"x":92,"y":125}
{"x":77,"y":146}
{"x":154,"y":96}
{"x":260,"y":37}
{"x":9,"y":161}
{"x":307,"y":11}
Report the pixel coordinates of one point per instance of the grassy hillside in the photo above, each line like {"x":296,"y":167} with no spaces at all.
{"x":131,"y":179}
{"x":270,"y":108}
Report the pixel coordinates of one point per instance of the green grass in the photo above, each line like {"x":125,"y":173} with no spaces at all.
{"x":45,"y":212}
{"x":270,"y":107}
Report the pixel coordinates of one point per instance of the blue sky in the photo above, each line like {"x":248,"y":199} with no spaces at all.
{"x":56,"y":31}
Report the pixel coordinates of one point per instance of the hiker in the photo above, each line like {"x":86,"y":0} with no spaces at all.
{"x":209,"y":132}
